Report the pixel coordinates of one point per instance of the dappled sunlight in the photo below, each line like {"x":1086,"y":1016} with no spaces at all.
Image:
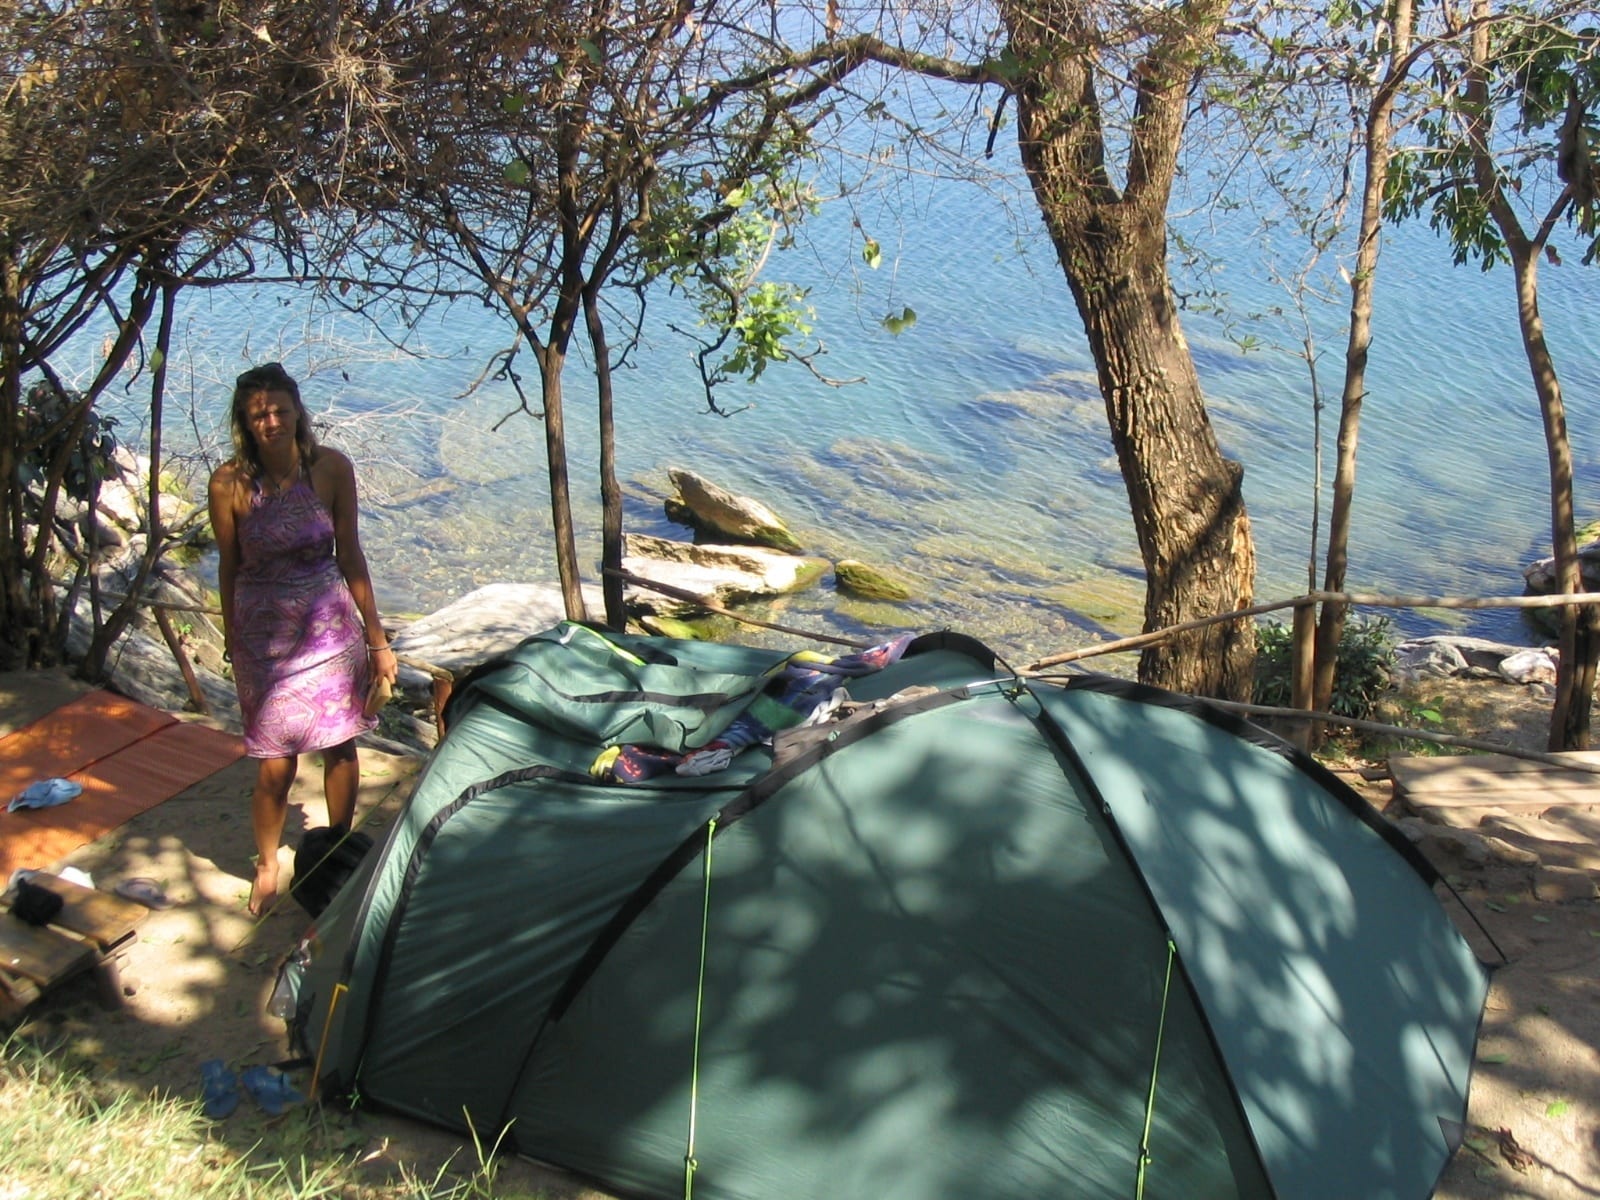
{"x":1321,"y":957}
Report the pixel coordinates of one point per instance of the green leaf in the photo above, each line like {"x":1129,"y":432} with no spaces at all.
{"x":156,"y":359}
{"x":1541,"y":918}
{"x":872,"y":254}
{"x":590,"y":49}
{"x":517,"y":173}
{"x":736,"y":196}
{"x":898,"y":323}
{"x":1556,"y":1108}
{"x":513,"y":104}
{"x":1499,"y":1056}
{"x":1490,"y":904}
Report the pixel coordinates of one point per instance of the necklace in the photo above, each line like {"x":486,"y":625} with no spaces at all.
{"x":279,"y":482}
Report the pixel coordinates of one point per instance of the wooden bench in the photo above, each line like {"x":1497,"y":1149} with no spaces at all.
{"x":92,"y":932}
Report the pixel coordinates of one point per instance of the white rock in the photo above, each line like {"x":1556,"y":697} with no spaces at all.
{"x":721,"y":575}
{"x":1529,"y":666}
{"x":483,"y":623}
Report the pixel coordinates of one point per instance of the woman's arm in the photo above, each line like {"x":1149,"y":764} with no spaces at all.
{"x":221,"y":494}
{"x":341,"y":475}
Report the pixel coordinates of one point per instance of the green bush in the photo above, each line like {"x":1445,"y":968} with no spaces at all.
{"x":1362,"y":672}
{"x":43,"y":430}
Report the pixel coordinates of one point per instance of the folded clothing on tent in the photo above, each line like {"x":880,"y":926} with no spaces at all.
{"x":807,"y":689}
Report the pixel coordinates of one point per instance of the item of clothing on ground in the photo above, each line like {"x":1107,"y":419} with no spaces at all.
{"x":807,"y":690}
{"x":45,"y":793}
{"x":273,"y":1092}
{"x":65,"y":874}
{"x":219,"y":1089}
{"x":143,"y":891}
{"x":299,"y":647}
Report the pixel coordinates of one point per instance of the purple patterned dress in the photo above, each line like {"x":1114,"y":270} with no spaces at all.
{"x":299,"y":647}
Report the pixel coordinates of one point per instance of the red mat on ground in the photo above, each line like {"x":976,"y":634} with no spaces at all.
{"x":128,"y":758}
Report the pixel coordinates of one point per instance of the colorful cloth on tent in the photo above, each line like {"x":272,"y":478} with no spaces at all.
{"x":299,"y":647}
{"x":806,"y":690}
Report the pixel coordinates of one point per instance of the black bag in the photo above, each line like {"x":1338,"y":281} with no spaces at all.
{"x":34,"y":904}
{"x":323,"y":861}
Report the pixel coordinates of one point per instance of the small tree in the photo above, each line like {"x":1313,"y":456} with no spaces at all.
{"x":1500,"y":189}
{"x":147,"y":149}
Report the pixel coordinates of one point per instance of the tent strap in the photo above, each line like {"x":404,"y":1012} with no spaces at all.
{"x":689,"y":1163}
{"x":1155,"y":1067}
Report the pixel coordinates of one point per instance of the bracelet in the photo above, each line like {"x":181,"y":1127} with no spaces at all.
{"x":371,"y":649}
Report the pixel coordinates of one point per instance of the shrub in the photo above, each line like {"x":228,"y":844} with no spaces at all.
{"x":1363,"y":666}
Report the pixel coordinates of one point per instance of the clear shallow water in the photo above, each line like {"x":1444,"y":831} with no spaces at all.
{"x":975,"y":454}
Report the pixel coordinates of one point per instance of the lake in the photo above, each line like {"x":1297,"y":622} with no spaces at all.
{"x":973,"y":454}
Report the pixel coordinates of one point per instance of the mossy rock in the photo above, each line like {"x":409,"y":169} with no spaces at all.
{"x":857,"y":579}
{"x":674,"y":627}
{"x":1113,"y":601}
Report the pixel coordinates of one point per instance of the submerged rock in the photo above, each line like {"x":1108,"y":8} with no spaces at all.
{"x":869,"y":583}
{"x":711,"y":509}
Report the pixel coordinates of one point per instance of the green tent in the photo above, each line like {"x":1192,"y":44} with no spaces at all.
{"x":962,"y":935}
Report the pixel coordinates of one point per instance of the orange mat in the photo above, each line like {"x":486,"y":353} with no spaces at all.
{"x":127,"y":757}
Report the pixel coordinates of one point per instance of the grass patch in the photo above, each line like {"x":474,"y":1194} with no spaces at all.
{"x":67,"y":1130}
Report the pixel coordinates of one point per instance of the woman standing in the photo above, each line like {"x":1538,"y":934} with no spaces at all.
{"x":298,"y":612}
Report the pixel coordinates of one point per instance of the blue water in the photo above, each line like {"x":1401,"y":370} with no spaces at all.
{"x":975,"y":455}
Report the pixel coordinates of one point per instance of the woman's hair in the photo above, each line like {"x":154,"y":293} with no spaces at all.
{"x":268,"y":377}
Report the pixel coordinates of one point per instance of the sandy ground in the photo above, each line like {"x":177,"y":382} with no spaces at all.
{"x":203,"y":970}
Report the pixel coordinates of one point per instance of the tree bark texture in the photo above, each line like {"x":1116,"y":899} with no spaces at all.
{"x":1188,"y":509}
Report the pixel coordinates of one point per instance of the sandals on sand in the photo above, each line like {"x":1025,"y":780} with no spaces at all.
{"x":146,"y":891}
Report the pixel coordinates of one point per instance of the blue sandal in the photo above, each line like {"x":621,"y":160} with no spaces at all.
{"x":271,"y":1091}
{"x":219,"y":1089}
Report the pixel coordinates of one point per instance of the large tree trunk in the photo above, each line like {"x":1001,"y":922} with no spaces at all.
{"x":1188,"y":511}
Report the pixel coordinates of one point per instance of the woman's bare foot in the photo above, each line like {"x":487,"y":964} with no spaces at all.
{"x":264,"y":891}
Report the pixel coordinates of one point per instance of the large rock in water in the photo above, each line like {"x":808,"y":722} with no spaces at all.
{"x":721,"y":575}
{"x":711,"y":509}
{"x":1540,"y":577}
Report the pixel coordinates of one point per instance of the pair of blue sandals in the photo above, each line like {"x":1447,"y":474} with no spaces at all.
{"x":220,"y":1087}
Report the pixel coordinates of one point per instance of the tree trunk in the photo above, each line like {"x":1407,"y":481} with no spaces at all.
{"x":1579,"y":638}
{"x":93,"y":666}
{"x":1330,"y":628}
{"x":552,"y":358}
{"x":1188,"y":510}
{"x":1579,"y":645}
{"x":610,"y":492}
{"x":14,"y":621}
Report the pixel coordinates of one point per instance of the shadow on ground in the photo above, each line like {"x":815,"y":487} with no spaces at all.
{"x":201,"y":971}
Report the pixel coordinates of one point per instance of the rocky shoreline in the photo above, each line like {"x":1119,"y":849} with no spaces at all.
{"x":742,"y":553}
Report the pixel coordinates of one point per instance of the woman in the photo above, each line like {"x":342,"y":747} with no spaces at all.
{"x":298,"y":613}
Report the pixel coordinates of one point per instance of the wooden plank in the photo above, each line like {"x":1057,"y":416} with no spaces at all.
{"x":1425,"y":766}
{"x":1494,"y":780}
{"x":103,"y":918}
{"x":42,"y":953}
